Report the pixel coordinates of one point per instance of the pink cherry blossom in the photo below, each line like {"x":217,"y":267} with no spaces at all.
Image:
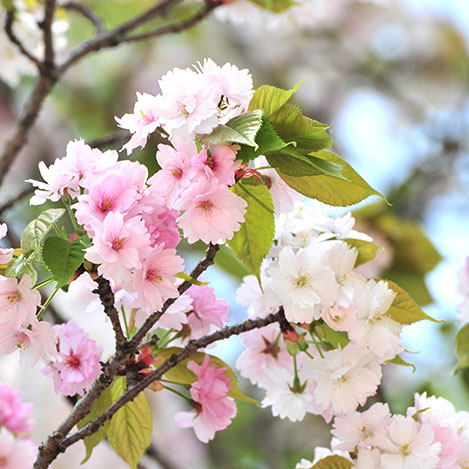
{"x":58,"y":183}
{"x":118,"y":245}
{"x":176,"y":170}
{"x":78,"y":360}
{"x":34,"y":342}
{"x":340,"y":318}
{"x":265,"y":350}
{"x":360,"y":429}
{"x":18,"y":301}
{"x":162,"y":227}
{"x":13,"y":412}
{"x":235,"y":84}
{"x":154,"y":280}
{"x":16,"y":453}
{"x":212,"y":213}
{"x":6,"y":255}
{"x":84,"y":163}
{"x":143,"y":122}
{"x":218,"y":162}
{"x":207,"y":311}
{"x":215,"y":408}
{"x":187,"y":103}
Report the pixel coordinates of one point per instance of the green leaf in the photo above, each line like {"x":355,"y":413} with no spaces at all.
{"x":276,"y":6}
{"x":99,"y":407}
{"x":462,"y":348}
{"x":182,"y":375}
{"x":412,"y":281}
{"x":398,"y":360}
{"x":291,"y":125}
{"x":332,"y":337}
{"x":292,"y":163}
{"x":332,"y":190}
{"x":270,"y":99}
{"x":241,"y":129}
{"x":252,"y":242}
{"x":22,"y":265}
{"x":366,"y":250}
{"x":190,"y":279}
{"x":62,"y":257}
{"x":267,"y":141}
{"x":333,"y":462}
{"x":129,"y":431}
{"x":35,"y":232}
{"x":404,"y":309}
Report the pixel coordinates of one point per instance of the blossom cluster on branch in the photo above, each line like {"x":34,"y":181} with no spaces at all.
{"x":234,"y":168}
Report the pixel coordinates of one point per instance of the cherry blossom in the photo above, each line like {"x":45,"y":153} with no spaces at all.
{"x":13,"y":412}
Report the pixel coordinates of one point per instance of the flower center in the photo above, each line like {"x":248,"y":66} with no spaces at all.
{"x":187,"y":105}
{"x":106,"y":205}
{"x":176,"y":173}
{"x":22,"y":340}
{"x":154,"y":276}
{"x":118,"y":243}
{"x":205,"y":205}
{"x":73,"y":361}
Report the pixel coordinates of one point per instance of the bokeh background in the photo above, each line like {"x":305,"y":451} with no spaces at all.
{"x":391,"y":77}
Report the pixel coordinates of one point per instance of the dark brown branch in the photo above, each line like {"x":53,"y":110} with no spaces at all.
{"x":115,"y":139}
{"x":48,"y":65}
{"x":85,"y":11}
{"x":15,"y":40}
{"x":107,"y":300}
{"x":201,"y":267}
{"x":15,"y":199}
{"x":177,"y":27}
{"x":171,"y":362}
{"x":50,"y":448}
{"x":116,"y":36}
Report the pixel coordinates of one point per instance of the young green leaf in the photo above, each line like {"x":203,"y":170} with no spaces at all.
{"x":398,"y":360}
{"x":270,"y":99}
{"x":252,"y":242}
{"x":182,"y":375}
{"x":293,"y":163}
{"x":99,"y":406}
{"x":62,"y":257}
{"x":188,"y":278}
{"x":333,"y":462}
{"x":35,"y":232}
{"x":332,"y":190}
{"x":404,"y":309}
{"x":366,"y":250}
{"x":22,"y":265}
{"x":267,"y":141}
{"x":309,"y":135}
{"x":332,"y":337}
{"x":241,"y":129}
{"x":462,"y":348}
{"x":130,"y":428}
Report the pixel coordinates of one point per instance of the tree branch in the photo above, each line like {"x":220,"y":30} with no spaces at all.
{"x":178,"y":27}
{"x":85,"y":11}
{"x":48,"y":65}
{"x":171,"y":362}
{"x":15,"y":40}
{"x":107,"y":299}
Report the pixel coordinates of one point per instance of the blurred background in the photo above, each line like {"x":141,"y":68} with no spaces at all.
{"x":391,"y":77}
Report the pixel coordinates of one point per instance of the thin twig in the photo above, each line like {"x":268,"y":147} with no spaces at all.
{"x":85,"y":11}
{"x":115,"y":139}
{"x":106,"y":296}
{"x":177,"y":27}
{"x":15,"y":199}
{"x":116,"y":36}
{"x":15,"y":40}
{"x":153,"y":453}
{"x":170,"y":363}
{"x":48,"y":68}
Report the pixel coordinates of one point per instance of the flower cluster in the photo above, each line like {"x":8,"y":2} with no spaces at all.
{"x":17,"y":451}
{"x":19,"y":326}
{"x":213,"y":409}
{"x":327,"y":358}
{"x":431,"y":436}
